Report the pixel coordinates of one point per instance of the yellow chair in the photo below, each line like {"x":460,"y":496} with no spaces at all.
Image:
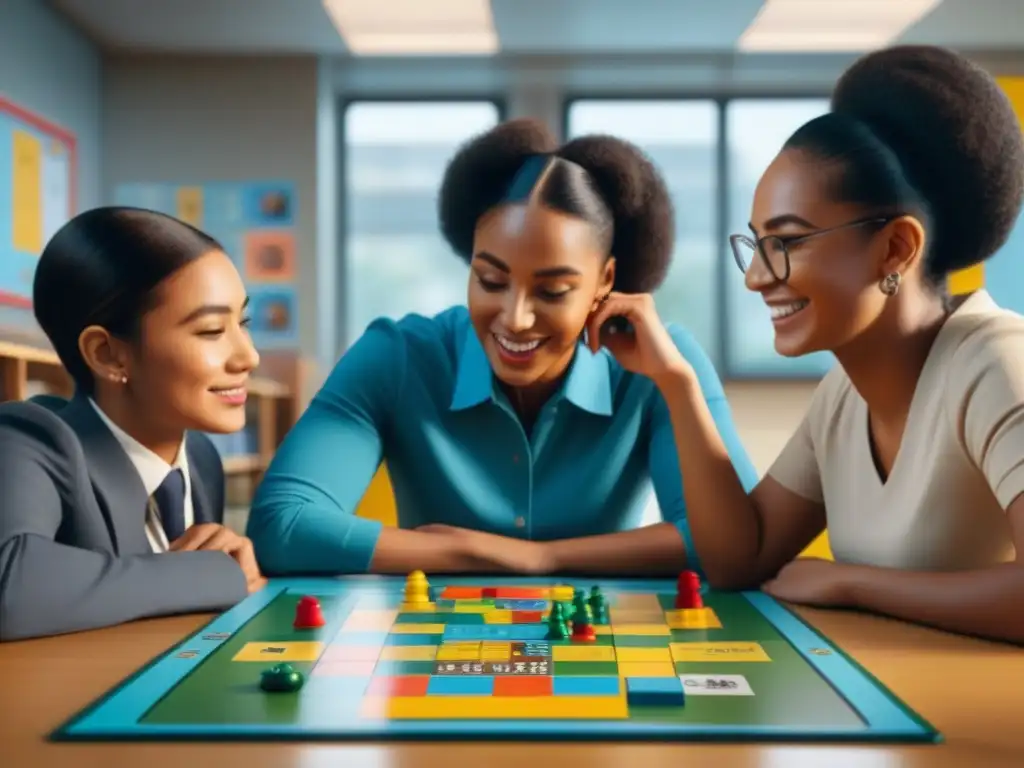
{"x":378,"y":503}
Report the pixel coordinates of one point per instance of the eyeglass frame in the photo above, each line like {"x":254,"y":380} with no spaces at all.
{"x":757,"y":246}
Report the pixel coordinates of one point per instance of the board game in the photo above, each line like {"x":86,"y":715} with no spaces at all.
{"x":365,"y":658}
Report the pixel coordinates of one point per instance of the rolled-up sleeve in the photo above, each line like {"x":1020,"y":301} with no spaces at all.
{"x":985,"y":395}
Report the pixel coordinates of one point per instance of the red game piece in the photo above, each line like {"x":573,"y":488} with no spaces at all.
{"x":308,"y":614}
{"x":583,"y":632}
{"x":688,"y":591}
{"x":582,"y":623}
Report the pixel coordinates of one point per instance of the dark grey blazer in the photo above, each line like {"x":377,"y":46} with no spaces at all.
{"x":73,"y":548}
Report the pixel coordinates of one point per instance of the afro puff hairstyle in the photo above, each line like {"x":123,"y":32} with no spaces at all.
{"x":601,"y":179}
{"x":922,"y":130}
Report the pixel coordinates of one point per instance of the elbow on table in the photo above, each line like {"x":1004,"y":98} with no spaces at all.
{"x":294,"y":537}
{"x":268,"y":528}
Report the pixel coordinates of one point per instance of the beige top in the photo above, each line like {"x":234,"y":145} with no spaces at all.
{"x":959,"y":466}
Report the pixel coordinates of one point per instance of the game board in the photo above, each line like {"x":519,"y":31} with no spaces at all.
{"x":473,"y":663}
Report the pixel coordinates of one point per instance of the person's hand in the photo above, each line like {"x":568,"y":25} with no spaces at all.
{"x":492,"y":551}
{"x":812,"y":581}
{"x":211,"y":536}
{"x":648,"y":348}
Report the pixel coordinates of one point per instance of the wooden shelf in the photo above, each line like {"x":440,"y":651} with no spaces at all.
{"x":243,"y":465}
{"x":276,"y":406}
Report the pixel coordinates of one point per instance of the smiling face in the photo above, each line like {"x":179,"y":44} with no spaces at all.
{"x":190,"y":364}
{"x":831,"y":295}
{"x":196,"y":355}
{"x":536,"y":275}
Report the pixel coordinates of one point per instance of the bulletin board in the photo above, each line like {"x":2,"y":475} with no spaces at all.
{"x":255,"y":222}
{"x":38,"y":178}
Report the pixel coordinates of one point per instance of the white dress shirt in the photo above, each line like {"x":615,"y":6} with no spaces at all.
{"x":153,"y":471}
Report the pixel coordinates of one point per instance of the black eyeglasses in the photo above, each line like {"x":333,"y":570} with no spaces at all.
{"x":773,"y":249}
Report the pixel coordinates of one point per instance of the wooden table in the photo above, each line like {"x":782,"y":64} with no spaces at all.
{"x":971,"y":690}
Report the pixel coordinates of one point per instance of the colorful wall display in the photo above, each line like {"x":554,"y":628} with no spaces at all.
{"x":255,"y":222}
{"x":38,"y":177}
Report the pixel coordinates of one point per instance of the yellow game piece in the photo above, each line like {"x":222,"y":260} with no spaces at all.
{"x":417,"y":588}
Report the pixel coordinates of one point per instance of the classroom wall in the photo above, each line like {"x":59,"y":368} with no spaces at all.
{"x":189,"y":119}
{"x":50,"y":68}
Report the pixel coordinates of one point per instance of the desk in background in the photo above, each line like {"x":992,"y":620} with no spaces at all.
{"x":275,"y":404}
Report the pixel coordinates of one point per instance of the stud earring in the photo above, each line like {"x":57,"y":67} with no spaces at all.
{"x":890,"y":284}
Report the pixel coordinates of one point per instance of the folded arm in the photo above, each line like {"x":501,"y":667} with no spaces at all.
{"x":49,"y":588}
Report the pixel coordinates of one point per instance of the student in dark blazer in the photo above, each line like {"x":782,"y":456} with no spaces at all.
{"x":112,"y":503}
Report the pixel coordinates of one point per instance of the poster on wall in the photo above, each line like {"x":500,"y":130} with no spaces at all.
{"x":37,"y":195}
{"x":255,"y":222}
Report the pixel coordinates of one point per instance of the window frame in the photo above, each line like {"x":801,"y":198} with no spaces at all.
{"x":724,"y":260}
{"x":344,"y":103}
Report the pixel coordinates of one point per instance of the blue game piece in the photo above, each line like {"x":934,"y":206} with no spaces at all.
{"x":655,"y":691}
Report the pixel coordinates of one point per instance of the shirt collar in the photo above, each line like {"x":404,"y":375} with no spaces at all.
{"x":587,"y":385}
{"x":151,"y":468}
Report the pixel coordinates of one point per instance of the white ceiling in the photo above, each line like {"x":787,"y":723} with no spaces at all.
{"x":549,"y":27}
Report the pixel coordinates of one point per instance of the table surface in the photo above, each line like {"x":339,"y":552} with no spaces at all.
{"x":971,"y":690}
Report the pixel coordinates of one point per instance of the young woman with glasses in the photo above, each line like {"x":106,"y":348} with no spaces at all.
{"x":912,"y":450}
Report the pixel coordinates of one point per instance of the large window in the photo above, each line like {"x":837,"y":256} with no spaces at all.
{"x":681,"y":139}
{"x":755,"y":131}
{"x":396,"y":261}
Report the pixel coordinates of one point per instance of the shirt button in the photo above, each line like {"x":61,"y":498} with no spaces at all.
{"x":520,"y":522}
{"x":515,"y":458}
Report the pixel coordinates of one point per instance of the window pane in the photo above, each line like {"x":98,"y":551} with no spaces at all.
{"x":755,"y":132}
{"x":1003,"y":274}
{"x":680,"y":137}
{"x":395,"y":156}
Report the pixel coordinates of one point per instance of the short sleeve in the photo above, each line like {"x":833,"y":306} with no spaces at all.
{"x":796,"y":466}
{"x":985,"y":394}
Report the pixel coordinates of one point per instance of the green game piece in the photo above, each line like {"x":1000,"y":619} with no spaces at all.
{"x":581,"y":613}
{"x":282,"y":678}
{"x":557,"y":629}
{"x":598,"y":606}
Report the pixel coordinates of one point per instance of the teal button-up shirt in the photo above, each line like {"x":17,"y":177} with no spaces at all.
{"x":420,"y":394}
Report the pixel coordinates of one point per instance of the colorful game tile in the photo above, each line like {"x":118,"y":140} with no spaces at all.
{"x":506,"y":659}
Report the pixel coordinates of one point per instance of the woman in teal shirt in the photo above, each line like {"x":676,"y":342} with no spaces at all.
{"x":522,"y":432}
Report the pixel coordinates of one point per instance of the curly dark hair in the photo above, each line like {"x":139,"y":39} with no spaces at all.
{"x":601,"y":179}
{"x":923,"y":130}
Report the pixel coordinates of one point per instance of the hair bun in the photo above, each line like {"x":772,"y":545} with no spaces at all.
{"x":957,"y":137}
{"x":640,"y":203}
